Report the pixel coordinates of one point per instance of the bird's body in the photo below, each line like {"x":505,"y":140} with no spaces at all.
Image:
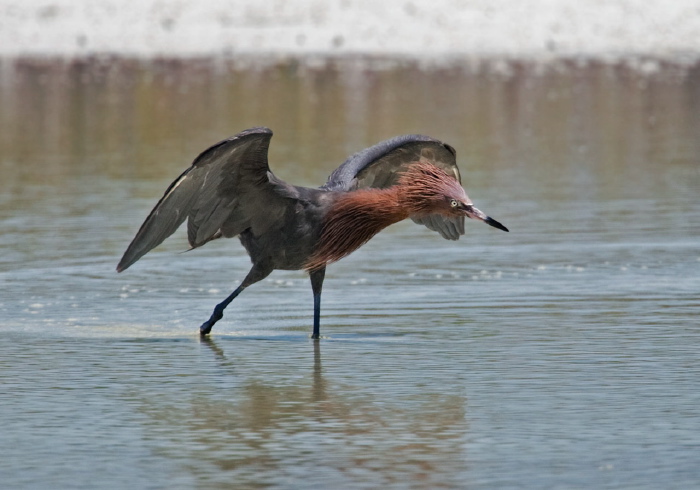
{"x":230,"y":191}
{"x":291,"y":236}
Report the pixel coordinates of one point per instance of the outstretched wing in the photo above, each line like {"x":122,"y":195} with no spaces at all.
{"x":381,"y":166}
{"x":220,"y":195}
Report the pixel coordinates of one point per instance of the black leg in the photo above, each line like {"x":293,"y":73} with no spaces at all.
{"x":219,"y":312}
{"x":317,"y":277}
{"x":256,"y":274}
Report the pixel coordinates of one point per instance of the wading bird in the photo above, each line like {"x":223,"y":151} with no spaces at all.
{"x":230,"y":191}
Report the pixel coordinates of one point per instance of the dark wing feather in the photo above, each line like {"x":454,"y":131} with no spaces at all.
{"x":219,"y":194}
{"x":381,"y":165}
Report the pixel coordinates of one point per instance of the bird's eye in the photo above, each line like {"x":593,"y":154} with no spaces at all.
{"x":454,"y":203}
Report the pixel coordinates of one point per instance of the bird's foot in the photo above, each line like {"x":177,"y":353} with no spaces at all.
{"x":206,"y":327}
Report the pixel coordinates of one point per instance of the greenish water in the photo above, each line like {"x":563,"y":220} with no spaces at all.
{"x":560,"y":355}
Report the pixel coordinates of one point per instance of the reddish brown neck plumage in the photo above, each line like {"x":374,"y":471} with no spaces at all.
{"x":357,"y":216}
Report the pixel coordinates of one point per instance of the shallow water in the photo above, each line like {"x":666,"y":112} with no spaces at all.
{"x":560,"y":355}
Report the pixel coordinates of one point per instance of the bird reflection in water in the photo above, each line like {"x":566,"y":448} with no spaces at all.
{"x":256,"y":417}
{"x":319,"y":386}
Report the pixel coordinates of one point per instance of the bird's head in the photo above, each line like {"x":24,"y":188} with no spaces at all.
{"x":427,"y":189}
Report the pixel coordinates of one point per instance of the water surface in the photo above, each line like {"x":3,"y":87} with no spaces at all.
{"x":560,"y":355}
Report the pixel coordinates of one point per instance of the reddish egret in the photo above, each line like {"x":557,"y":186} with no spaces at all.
{"x":230,"y":191}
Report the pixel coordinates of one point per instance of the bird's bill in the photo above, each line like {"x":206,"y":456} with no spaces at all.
{"x":494,"y":223}
{"x":474,"y":213}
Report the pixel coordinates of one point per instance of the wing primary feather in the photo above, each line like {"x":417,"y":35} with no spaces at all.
{"x":206,"y":193}
{"x":160,"y":224}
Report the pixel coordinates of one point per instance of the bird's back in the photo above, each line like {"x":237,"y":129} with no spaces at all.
{"x":290,"y":237}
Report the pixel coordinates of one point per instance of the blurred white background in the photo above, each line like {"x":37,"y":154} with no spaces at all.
{"x":408,"y":28}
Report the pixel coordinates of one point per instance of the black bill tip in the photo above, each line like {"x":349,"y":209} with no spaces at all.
{"x":490,"y":221}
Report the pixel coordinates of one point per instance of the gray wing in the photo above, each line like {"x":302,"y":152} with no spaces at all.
{"x":381,"y":166}
{"x":220,"y":195}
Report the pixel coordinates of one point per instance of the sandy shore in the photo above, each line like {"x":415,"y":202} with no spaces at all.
{"x":539,"y":29}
